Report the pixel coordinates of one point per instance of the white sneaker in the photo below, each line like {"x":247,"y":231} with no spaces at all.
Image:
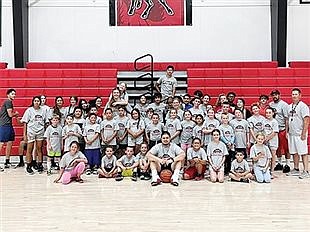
{"x":294,"y":172}
{"x":304,"y":175}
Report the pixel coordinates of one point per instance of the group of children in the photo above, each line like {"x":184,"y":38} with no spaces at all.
{"x":113,"y":143}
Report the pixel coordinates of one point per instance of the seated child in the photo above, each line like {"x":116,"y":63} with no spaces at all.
{"x":240,"y":170}
{"x":197,"y":159}
{"x":144,"y":164}
{"x":108,"y":164}
{"x":72,"y":165}
{"x":127,"y":165}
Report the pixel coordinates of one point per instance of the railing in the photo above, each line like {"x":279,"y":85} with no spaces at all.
{"x":149,"y":73}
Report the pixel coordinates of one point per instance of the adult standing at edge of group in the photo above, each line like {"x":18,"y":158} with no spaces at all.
{"x":167,"y":84}
{"x":297,"y":129}
{"x":280,"y":108}
{"x":7,"y":134}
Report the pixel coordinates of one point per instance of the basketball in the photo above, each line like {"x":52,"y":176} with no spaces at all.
{"x":165,"y":176}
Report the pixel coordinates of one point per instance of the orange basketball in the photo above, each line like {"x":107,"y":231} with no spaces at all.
{"x":165,"y":175}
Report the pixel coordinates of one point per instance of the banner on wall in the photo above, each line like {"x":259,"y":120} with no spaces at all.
{"x":150,"y":12}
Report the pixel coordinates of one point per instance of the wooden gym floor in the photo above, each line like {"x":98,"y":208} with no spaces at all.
{"x":35,"y":203}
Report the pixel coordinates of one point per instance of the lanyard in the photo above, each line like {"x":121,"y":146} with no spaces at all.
{"x":293,"y":110}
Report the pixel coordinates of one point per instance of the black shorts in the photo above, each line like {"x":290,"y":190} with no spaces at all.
{"x":164,"y":166}
{"x":108,"y":169}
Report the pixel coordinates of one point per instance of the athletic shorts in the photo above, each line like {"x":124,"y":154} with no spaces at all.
{"x":297,"y":146}
{"x":162,"y":167}
{"x":283,"y":143}
{"x":34,"y":136}
{"x":7,"y":133}
{"x":185,"y":146}
{"x":108,"y":169}
{"x":192,"y":171}
{"x":127,"y":173}
{"x":93,"y":156}
{"x":134,"y":141}
{"x":52,"y":154}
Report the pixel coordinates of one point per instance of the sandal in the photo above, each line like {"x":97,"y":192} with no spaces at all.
{"x":174,"y":183}
{"x":79,"y":180}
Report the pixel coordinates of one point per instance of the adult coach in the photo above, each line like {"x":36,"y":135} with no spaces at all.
{"x":281,"y":109}
{"x":167,"y":84}
{"x":7,"y":134}
{"x":165,"y":155}
{"x":297,"y":127}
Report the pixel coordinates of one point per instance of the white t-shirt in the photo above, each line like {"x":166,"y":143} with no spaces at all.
{"x":296,"y":115}
{"x":35,"y":119}
{"x":200,"y":154}
{"x":281,"y":108}
{"x":262,"y":162}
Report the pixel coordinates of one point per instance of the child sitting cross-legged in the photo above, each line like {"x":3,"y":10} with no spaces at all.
{"x":127,"y":165}
{"x":240,"y":170}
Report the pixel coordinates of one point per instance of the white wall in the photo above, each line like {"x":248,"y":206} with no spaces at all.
{"x":298,"y":39}
{"x":74,"y":30}
{"x":6,"y":51}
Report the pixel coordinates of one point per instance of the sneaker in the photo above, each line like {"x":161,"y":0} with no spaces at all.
{"x":294,"y":172}
{"x":40,"y":168}
{"x":34,"y":165}
{"x":20,"y":164}
{"x":278,"y":167}
{"x":157,"y":182}
{"x":147,"y":176}
{"x":142,"y":177}
{"x":49,"y":172}
{"x":95,"y":172}
{"x":119,"y":177}
{"x":175,"y":183}
{"x":29,"y":170}
{"x":286,"y":169}
{"x":304,"y":175}
{"x":134,"y":176}
{"x":56,"y":167}
{"x":7,"y":165}
{"x":245,"y":180}
{"x":88,"y":171}
{"x":1,"y":169}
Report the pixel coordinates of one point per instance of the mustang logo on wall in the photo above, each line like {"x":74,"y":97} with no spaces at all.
{"x":149,"y":12}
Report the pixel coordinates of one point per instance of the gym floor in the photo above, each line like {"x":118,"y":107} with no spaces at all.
{"x":35,"y":203}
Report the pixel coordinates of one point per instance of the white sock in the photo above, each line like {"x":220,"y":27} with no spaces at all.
{"x":279,"y":160}
{"x":154,"y":175}
{"x":288,"y":161}
{"x":175,"y":176}
{"x":49,"y":165}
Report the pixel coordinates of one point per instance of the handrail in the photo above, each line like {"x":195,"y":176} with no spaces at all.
{"x":150,"y":73}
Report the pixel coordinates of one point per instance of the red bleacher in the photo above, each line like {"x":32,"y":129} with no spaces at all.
{"x":299,"y":64}
{"x":87,"y":80}
{"x":84,"y":83}
{"x":125,"y":66}
{"x":249,"y":83}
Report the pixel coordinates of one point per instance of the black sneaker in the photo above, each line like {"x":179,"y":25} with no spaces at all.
{"x":40,"y":168}
{"x":7,"y":165}
{"x":147,"y":176}
{"x":278,"y":167}
{"x":134,"y":176}
{"x":88,"y":171}
{"x":286,"y":169}
{"x":29,"y":170}
{"x":19,"y":165}
{"x":244,"y":180}
{"x":34,"y":164}
{"x":1,"y":169}
{"x":119,"y":177}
